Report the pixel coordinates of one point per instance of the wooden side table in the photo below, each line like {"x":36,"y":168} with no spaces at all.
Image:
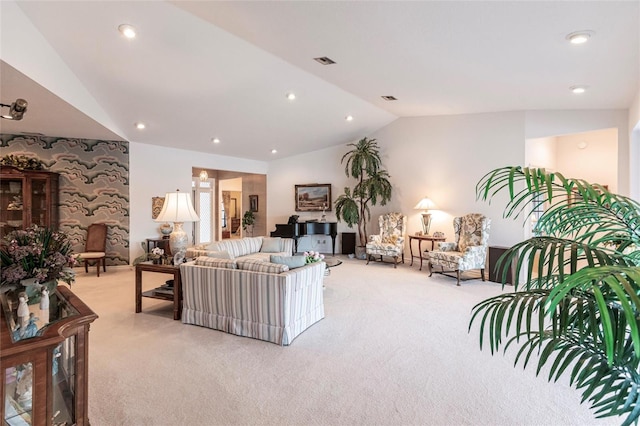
{"x":175,"y":297}
{"x":420,"y":239}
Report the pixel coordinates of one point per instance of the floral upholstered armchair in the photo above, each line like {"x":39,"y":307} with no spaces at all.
{"x":469,"y":251}
{"x":390,"y":241}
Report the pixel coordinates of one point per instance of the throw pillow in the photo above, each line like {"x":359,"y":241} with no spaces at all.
{"x":391,"y":239}
{"x":291,"y":261}
{"x":256,"y":265}
{"x":216,"y":263}
{"x":219,"y":254}
{"x":271,"y":245}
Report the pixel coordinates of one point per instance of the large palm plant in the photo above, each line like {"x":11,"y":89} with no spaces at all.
{"x":364,"y":164}
{"x":578,"y":308}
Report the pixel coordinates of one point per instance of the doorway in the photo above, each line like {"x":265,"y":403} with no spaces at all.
{"x":230,"y":195}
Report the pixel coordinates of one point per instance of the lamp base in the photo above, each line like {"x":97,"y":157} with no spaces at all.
{"x":426,"y":223}
{"x":178,"y":239}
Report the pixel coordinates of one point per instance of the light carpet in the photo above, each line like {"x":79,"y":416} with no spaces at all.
{"x":393,"y":349}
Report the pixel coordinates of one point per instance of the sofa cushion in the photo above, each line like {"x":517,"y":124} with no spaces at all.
{"x":291,"y":261}
{"x":256,"y":265}
{"x":216,"y":262}
{"x":271,"y":245}
{"x":219,"y":254}
{"x":241,"y":247}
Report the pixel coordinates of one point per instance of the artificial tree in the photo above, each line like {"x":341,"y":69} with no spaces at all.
{"x":579,"y":307}
{"x":364,"y":164}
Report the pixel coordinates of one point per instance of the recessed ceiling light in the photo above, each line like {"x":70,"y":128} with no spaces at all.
{"x":140,"y":126}
{"x":349,"y":118}
{"x":127,"y":30}
{"x":582,"y":144}
{"x":579,"y":37}
{"x":291,"y":96}
{"x":578,"y":89}
{"x":274,"y":151}
{"x":215,"y":140}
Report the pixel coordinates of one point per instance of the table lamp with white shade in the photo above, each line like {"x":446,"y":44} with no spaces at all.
{"x":177,"y":208}
{"x":425,"y":204}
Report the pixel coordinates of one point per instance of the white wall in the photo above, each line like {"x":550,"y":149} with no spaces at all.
{"x":597,"y":163}
{"x":155,"y":170}
{"x":554,"y":123}
{"x":634,"y":154}
{"x":442,"y":157}
{"x":541,"y":153}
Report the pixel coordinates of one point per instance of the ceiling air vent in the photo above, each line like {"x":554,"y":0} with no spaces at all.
{"x":324,"y":60}
{"x":389,"y":98}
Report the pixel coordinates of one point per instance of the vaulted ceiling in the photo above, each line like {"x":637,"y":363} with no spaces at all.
{"x":199,"y":70}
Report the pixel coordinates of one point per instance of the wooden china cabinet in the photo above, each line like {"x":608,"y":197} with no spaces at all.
{"x":27,"y":197}
{"x":44,"y":377}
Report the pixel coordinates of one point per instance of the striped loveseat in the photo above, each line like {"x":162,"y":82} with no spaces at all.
{"x":252,"y":298}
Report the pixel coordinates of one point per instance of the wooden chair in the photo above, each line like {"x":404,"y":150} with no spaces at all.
{"x":95,"y":247}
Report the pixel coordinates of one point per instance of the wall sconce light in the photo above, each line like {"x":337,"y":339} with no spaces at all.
{"x":16,"y":110}
{"x":204,"y":176}
{"x":425,"y":204}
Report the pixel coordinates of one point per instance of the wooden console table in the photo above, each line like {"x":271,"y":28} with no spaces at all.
{"x":420,"y":239}
{"x":175,"y":297}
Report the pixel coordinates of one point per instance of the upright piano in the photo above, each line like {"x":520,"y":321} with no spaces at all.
{"x":297,"y":230}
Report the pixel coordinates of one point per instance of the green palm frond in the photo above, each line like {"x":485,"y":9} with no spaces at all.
{"x":578,"y":308}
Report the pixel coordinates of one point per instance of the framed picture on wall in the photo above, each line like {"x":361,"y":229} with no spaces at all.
{"x":253,"y":203}
{"x":156,"y":206}
{"x":314,"y":197}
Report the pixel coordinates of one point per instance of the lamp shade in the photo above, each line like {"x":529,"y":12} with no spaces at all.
{"x":425,"y":204}
{"x":177,"y":207}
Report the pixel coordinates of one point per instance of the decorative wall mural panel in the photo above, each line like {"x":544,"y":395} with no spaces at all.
{"x":94,"y":185}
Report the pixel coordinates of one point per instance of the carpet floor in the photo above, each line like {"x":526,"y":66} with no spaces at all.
{"x":393,"y":349}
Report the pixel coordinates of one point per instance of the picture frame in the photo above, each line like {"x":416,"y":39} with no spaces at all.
{"x":253,"y":203}
{"x":156,"y":206}
{"x":314,"y":197}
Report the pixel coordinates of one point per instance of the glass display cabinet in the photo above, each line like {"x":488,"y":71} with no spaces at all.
{"x":27,"y":197}
{"x":44,"y":360}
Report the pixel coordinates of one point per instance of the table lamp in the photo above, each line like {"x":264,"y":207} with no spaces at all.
{"x":177,"y":208}
{"x":425,"y":204}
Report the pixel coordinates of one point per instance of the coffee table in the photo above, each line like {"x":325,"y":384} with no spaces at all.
{"x":331,"y":262}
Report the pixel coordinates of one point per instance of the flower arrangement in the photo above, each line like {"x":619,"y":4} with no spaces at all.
{"x":313,"y":256}
{"x":156,"y":254}
{"x":39,"y":253}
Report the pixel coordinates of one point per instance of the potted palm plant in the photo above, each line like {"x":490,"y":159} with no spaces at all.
{"x":578,"y":310}
{"x":248,"y":220}
{"x":364,"y":164}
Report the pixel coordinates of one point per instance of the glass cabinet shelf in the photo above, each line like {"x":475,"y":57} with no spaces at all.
{"x":44,"y":379}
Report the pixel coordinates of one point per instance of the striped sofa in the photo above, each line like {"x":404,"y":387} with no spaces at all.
{"x":251,"y":247}
{"x":252,"y":298}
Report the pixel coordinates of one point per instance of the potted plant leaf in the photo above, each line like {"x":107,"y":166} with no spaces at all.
{"x":248,"y":220}
{"x":578,"y":309}
{"x":364,"y":164}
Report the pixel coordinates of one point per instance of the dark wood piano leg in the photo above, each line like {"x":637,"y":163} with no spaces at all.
{"x":333,"y":245}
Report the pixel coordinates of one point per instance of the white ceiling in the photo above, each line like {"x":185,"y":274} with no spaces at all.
{"x":205,"y":69}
